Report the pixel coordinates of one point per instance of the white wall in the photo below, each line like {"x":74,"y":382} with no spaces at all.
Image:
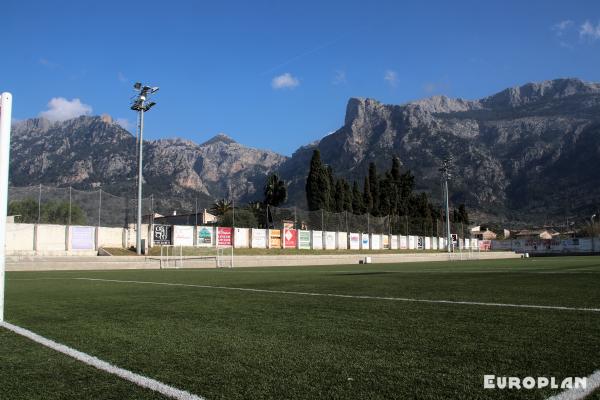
{"x":51,"y":238}
{"x":110,"y":237}
{"x":19,"y":238}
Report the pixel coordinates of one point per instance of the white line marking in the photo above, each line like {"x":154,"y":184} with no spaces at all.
{"x":139,"y":380}
{"x":593,"y":383}
{"x":348,"y":296}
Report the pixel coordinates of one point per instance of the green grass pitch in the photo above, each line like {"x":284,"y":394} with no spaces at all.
{"x":232,"y":344}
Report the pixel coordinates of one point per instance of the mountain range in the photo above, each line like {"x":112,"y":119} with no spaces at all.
{"x":527,"y":153}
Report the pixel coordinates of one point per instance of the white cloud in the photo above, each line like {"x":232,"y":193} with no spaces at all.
{"x":124,"y":122}
{"x":562,"y":26}
{"x":61,"y":109}
{"x":285,"y":81}
{"x":47,"y":63}
{"x":391,"y":78}
{"x":587,"y":30}
{"x":339,"y":78}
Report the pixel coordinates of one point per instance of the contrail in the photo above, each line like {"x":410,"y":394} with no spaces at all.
{"x":299,"y":56}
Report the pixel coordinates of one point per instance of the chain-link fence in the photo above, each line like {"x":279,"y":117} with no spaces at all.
{"x":348,"y":222}
{"x":68,"y":206}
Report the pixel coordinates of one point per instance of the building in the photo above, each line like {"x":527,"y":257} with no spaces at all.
{"x":486,"y":234}
{"x":536,"y":234}
{"x":201,"y":218}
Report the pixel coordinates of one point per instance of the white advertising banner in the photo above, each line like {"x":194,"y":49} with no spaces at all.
{"x":304,"y":240}
{"x":206,"y":236}
{"x":467,"y":243}
{"x":259,"y":238}
{"x":441,"y":244}
{"x":394,"y":242}
{"x":427,"y":243}
{"x":403,"y":242}
{"x":412,"y":242}
{"x":183,"y":235}
{"x":434,"y":243}
{"x":82,"y":237}
{"x":354,"y":241}
{"x":241,"y":238}
{"x":385,"y":242}
{"x":317,"y":240}
{"x":342,"y":240}
{"x":375,"y":241}
{"x":365,"y":243}
{"x":329,"y":241}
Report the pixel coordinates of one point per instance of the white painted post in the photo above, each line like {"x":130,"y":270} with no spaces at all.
{"x":5,"y":121}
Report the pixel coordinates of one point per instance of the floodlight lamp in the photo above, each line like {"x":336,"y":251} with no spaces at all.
{"x":154,"y":89}
{"x":137,"y":86}
{"x":149,"y":105}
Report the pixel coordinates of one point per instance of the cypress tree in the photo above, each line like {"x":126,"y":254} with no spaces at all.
{"x":374,"y":186}
{"x":367,"y":196}
{"x":317,"y":187}
{"x":463,"y":215}
{"x":338,"y":196}
{"x":347,"y":196}
{"x":357,"y":200}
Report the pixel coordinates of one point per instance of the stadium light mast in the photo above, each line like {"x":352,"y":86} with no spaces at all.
{"x":5,"y":122}
{"x":446,"y":175}
{"x":139,"y":104}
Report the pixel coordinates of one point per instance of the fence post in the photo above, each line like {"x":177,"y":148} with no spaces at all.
{"x":100,"y":207}
{"x":40,"y":205}
{"x":196,"y":211}
{"x":322,"y":227}
{"x":152,"y":209}
{"x":70,"y":198}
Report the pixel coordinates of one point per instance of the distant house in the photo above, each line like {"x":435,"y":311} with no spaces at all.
{"x":545,"y":234}
{"x":486,"y":234}
{"x":201,"y":218}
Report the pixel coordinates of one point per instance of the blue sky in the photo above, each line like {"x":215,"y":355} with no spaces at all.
{"x":278,"y":74}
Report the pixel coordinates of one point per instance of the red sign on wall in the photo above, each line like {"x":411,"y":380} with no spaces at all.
{"x":224,"y":236}
{"x":290,"y":238}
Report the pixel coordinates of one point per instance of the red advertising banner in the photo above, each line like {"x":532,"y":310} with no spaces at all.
{"x":290,"y":238}
{"x":224,"y":236}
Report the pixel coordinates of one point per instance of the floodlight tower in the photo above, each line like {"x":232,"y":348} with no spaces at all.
{"x":139,"y":104}
{"x":446,"y":176}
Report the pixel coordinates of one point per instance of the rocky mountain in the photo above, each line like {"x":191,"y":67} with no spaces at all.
{"x":527,"y":153}
{"x":92,"y":152}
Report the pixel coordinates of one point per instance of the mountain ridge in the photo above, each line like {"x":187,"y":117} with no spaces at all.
{"x":518,"y":152}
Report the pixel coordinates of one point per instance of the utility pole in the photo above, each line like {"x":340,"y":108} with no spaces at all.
{"x":140,"y":105}
{"x":446,"y":175}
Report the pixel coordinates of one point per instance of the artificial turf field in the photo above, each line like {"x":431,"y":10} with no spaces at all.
{"x":224,"y":343}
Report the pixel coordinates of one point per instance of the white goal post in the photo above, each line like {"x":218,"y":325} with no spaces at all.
{"x":5,"y":121}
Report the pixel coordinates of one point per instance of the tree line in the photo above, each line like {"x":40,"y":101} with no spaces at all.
{"x":388,"y":193}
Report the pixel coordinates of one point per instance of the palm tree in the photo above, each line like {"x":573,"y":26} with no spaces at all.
{"x":275,"y":191}
{"x":220,"y":207}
